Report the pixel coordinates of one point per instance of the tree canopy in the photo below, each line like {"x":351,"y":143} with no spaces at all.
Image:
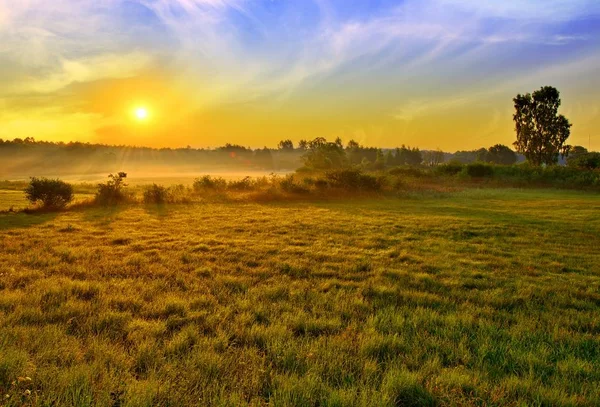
{"x":541,"y":131}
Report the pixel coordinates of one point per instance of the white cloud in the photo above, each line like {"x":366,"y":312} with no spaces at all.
{"x":417,"y":108}
{"x":545,"y":10}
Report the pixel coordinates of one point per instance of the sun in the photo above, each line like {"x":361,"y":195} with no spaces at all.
{"x":141,"y":113}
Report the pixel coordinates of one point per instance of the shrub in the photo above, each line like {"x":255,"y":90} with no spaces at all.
{"x":244,"y":184}
{"x":52,"y":193}
{"x":178,"y":194}
{"x":155,"y":194}
{"x":478,"y":170}
{"x":451,"y":168}
{"x":112,"y":192}
{"x":288,"y":184}
{"x":321,"y":183}
{"x":587,"y":161}
{"x":209,"y":183}
{"x":352,"y":179}
{"x":551,"y":175}
{"x":407,"y":171}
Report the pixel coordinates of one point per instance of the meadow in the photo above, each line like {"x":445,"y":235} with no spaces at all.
{"x":472,"y":297}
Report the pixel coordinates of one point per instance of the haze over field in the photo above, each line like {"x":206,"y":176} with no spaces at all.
{"x":432,"y":73}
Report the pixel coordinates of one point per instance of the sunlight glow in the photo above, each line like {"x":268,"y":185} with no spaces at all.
{"x":141,"y":113}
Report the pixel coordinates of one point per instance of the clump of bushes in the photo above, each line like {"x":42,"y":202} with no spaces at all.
{"x":158,"y":194}
{"x":113,"y":191}
{"x":289,"y":184}
{"x":526,"y":174}
{"x":478,"y":170}
{"x":51,"y":193}
{"x":244,"y":184}
{"x":353,"y":179}
{"x":408,"y":172}
{"x":450,"y":168}
{"x":587,"y":161}
{"x":209,"y":183}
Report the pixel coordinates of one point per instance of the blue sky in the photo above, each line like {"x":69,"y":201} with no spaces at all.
{"x":433,"y":73}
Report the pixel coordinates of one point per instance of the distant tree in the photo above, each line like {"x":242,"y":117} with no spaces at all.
{"x":52,"y":193}
{"x":352,"y":144}
{"x":303,"y":145}
{"x":263,"y":158}
{"x":576,"y":151}
{"x":481,"y":155}
{"x":379,"y":163}
{"x":322,"y":154}
{"x":354,"y":152}
{"x":433,"y":158}
{"x":410,"y":156}
{"x":466,"y":157}
{"x":500,"y":154}
{"x":286,"y":145}
{"x":541,"y":131}
{"x":398,"y":159}
{"x":234,"y":148}
{"x":339,"y":142}
{"x":389,"y":158}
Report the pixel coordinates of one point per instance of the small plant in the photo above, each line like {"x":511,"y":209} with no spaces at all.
{"x":52,"y":193}
{"x":112,"y":192}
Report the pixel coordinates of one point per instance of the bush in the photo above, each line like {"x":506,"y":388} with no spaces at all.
{"x":209,"y":183}
{"x":244,"y":184}
{"x":353,"y":180}
{"x":288,"y":184}
{"x":52,"y":193}
{"x":112,"y":192}
{"x":178,"y":194}
{"x":478,"y":170}
{"x":526,"y":174}
{"x":407,"y":171}
{"x":587,"y":161}
{"x":451,"y":168}
{"x":155,"y":194}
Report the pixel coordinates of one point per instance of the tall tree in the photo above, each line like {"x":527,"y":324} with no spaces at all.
{"x":541,"y":131}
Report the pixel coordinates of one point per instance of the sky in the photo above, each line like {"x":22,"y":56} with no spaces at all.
{"x":427,"y":73}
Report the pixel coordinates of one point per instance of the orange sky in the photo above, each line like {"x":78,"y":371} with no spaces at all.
{"x":432,"y":73}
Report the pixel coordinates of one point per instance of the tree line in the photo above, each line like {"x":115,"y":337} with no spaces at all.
{"x":541,"y":135}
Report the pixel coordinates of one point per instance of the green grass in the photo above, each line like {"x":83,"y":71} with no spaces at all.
{"x":480,"y":297}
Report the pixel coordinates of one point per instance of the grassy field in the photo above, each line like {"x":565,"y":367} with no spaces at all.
{"x":16,"y":199}
{"x":481,"y":297}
